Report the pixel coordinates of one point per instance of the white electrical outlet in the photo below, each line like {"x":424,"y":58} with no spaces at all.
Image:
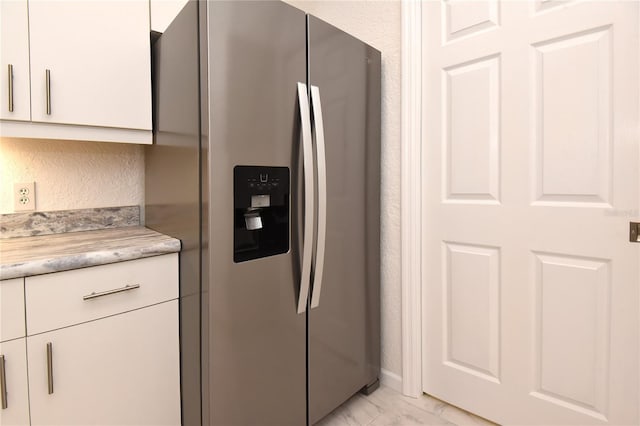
{"x":24,"y":196}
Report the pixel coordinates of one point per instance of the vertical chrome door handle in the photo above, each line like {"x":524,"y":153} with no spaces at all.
{"x":3,"y":384}
{"x":48,"y":89}
{"x":307,"y":154}
{"x":50,"y":368}
{"x":10,"y":77}
{"x":318,"y":132}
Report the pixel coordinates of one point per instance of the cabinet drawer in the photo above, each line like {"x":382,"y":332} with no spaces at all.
{"x":11,"y":309}
{"x":60,"y":299}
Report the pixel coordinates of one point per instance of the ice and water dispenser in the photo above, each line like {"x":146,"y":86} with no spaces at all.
{"x":261,"y":212}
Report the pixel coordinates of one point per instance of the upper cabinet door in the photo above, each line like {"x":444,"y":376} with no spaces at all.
{"x":90,"y":63}
{"x":14,"y":58}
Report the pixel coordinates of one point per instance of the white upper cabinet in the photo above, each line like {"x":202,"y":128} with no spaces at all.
{"x":14,"y":58}
{"x":98,"y":61}
{"x":163,"y":12}
{"x":81,"y":70}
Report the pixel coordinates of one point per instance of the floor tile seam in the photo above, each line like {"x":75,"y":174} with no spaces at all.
{"x":376,"y":417}
{"x":439,"y":415}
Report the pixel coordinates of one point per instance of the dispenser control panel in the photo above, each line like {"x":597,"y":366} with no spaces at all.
{"x":250,"y":182}
{"x":264,"y":182}
{"x":261,"y":212}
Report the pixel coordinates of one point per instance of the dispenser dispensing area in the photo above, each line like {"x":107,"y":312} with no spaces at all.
{"x":261,"y":212}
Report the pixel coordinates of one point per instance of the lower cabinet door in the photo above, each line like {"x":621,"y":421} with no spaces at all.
{"x":13,"y":363}
{"x":120,"y":370}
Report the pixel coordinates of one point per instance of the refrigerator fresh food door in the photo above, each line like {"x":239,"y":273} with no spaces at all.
{"x":256,"y":359}
{"x":344,"y":319}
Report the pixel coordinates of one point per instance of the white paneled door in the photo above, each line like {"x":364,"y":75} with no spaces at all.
{"x":530,"y":153}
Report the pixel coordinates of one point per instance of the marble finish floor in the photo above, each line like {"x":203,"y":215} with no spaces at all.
{"x":386,"y":407}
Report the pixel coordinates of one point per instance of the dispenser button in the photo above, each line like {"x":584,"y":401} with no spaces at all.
{"x":260,"y":200}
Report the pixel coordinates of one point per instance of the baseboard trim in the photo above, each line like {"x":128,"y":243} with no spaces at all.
{"x":391,"y":380}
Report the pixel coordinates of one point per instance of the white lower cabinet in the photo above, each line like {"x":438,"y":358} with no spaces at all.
{"x":12,"y":309}
{"x":14,"y":393}
{"x":13,"y":383}
{"x":119,"y":370}
{"x":100,"y":346}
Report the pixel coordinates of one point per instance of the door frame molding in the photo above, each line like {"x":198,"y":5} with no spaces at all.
{"x":411,"y":197}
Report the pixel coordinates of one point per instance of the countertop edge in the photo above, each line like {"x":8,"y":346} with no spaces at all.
{"x":69,"y":262}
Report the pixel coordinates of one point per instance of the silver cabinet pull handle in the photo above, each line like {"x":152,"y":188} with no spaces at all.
{"x":10,"y":77}
{"x":318,"y":132}
{"x":48,"y":89}
{"x":50,"y":367}
{"x":108,"y":292}
{"x":3,"y":384}
{"x":307,"y":245}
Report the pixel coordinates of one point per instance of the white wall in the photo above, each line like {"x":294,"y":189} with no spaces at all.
{"x":72,"y":174}
{"x":378,"y":24}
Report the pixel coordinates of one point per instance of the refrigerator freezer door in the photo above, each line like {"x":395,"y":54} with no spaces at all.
{"x":344,"y":329}
{"x":256,"y":357}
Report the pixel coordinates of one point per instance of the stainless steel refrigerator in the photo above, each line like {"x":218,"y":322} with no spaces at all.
{"x":266,"y":164}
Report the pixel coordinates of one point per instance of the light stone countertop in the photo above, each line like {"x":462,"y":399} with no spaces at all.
{"x":26,"y":256}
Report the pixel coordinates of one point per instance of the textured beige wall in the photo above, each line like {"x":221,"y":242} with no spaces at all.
{"x":72,"y":174}
{"x":378,"y":24}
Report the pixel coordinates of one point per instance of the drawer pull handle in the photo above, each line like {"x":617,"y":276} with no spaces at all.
{"x":50,"y":367}
{"x":3,"y":383}
{"x":108,"y":292}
